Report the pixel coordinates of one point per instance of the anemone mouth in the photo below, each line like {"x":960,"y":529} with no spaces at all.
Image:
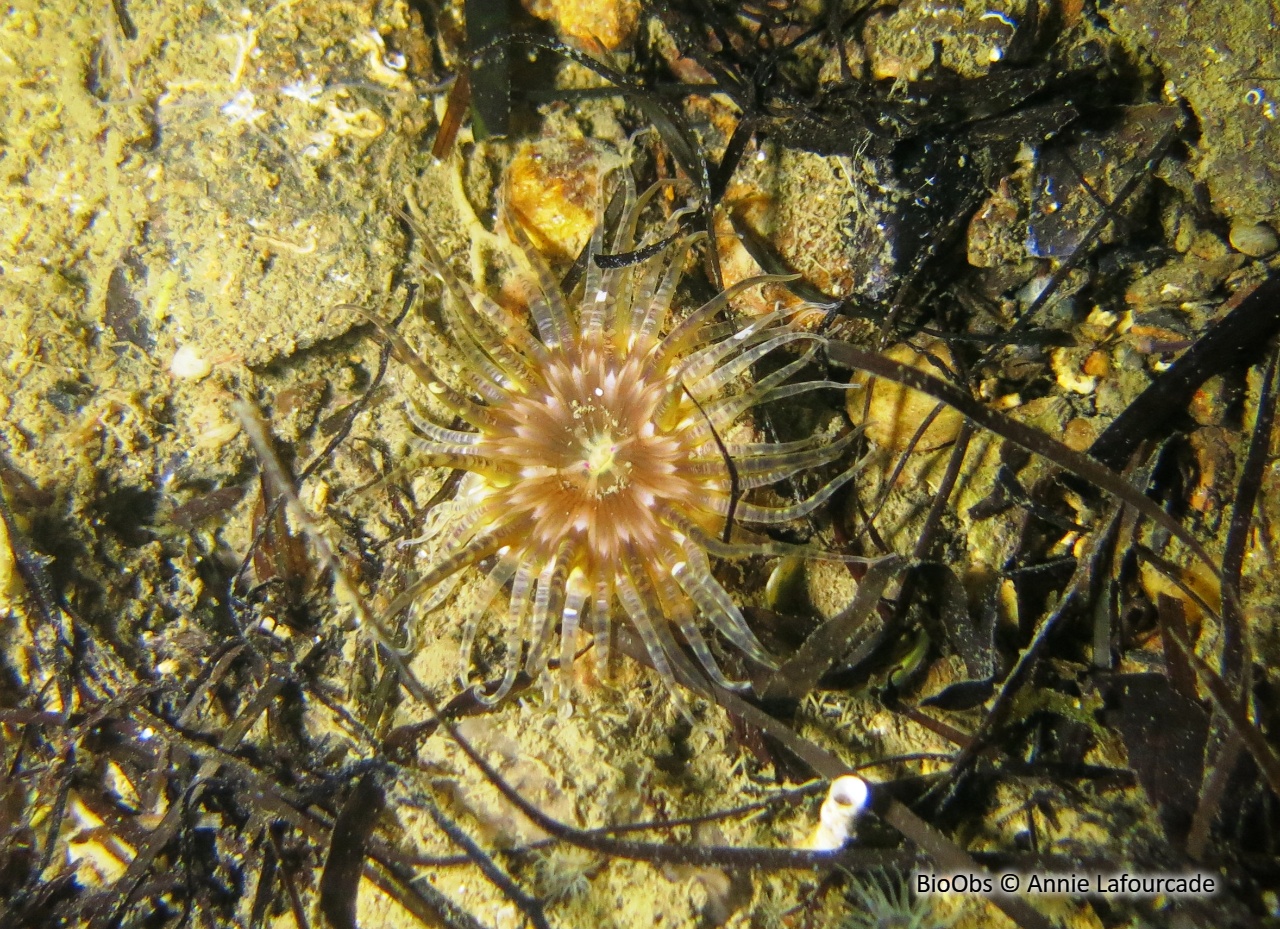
{"x":599,"y":478}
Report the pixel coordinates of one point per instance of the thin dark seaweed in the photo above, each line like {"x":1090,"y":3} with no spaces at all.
{"x":835,"y":638}
{"x":613,"y":262}
{"x":848,"y":355}
{"x":943,"y":495}
{"x":456,"y":107}
{"x":340,"y":877}
{"x":531,"y":907}
{"x":1235,"y":644}
{"x":1250,"y":320}
{"x":1237,"y":714}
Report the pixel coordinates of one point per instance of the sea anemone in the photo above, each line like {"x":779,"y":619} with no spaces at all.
{"x":597,"y":468}
{"x":883,"y":900}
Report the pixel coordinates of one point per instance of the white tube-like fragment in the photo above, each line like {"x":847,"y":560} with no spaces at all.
{"x":847,"y":800}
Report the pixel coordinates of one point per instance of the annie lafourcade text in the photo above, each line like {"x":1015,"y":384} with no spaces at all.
{"x":1139,"y":885}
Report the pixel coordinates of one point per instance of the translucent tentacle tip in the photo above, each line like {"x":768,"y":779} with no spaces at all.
{"x":847,"y":799}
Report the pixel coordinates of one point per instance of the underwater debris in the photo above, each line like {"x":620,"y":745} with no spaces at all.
{"x":846,"y":801}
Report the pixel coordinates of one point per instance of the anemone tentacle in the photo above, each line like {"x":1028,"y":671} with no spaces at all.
{"x":774,"y":515}
{"x":575,"y":601}
{"x":687,"y":330}
{"x":732,"y":369}
{"x":485,"y":376}
{"x":458,"y":403}
{"x":517,"y":612}
{"x":642,"y":617}
{"x":491,"y":585}
{"x":695,"y":578}
{"x":655,"y":296}
{"x":769,"y":468}
{"x":438,"y":433}
{"x":726,"y":411}
{"x":548,"y":602}
{"x":556,"y":327}
{"x":602,"y":620}
{"x":527,"y":353}
{"x":676,"y":605}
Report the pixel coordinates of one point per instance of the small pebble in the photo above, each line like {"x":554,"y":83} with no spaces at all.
{"x":1257,"y":240}
{"x":188,"y":364}
{"x":1078,"y":434}
{"x":1069,"y":376}
{"x":553,"y":188}
{"x":896,"y":411}
{"x":610,"y":24}
{"x":1097,"y":364}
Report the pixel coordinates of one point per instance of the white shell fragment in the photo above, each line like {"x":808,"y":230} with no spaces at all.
{"x":847,"y":800}
{"x":1257,"y":240}
{"x":189,"y":365}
